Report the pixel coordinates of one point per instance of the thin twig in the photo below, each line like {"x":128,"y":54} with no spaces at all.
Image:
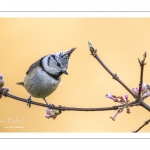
{"x":142,"y":63}
{"x":146,"y":122}
{"x":64,"y":108}
{"x":94,"y":53}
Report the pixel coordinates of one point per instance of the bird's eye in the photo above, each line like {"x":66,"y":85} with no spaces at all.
{"x":58,"y":64}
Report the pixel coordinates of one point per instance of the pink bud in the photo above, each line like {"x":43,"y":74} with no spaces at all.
{"x":48,"y":111}
{"x":122,"y":100}
{"x":144,"y":87}
{"x":146,"y":94}
{"x":128,"y":111}
{"x":135,"y":90}
{"x":126,"y":97}
{"x":108,"y":95}
{"x":115,"y":115}
{"x":52,"y":113}
{"x":48,"y":116}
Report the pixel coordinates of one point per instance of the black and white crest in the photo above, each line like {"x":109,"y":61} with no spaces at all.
{"x":57,"y":63}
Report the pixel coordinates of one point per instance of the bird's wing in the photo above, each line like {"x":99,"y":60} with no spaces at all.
{"x":34,"y":65}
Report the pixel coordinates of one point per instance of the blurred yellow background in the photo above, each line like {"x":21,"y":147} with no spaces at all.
{"x":120,"y":42}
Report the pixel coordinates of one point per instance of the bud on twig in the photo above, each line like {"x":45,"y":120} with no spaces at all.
{"x":93,"y":51}
{"x":52,"y":113}
{"x":1,"y":84}
{"x":144,"y":56}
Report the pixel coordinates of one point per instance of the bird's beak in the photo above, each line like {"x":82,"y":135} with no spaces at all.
{"x":69,"y":51}
{"x":65,"y":72}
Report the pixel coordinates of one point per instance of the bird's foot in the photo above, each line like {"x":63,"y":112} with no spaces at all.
{"x":52,"y":106}
{"x":29,"y":101}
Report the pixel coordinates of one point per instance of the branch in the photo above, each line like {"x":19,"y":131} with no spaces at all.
{"x":94,"y":53}
{"x":142,"y":63}
{"x":144,"y":105}
{"x":5,"y":93}
{"x":146,"y":123}
{"x":52,"y":111}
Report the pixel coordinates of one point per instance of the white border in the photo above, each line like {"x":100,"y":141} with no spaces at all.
{"x":76,"y":135}
{"x":75,"y":14}
{"x":74,"y":5}
{"x":78,"y":5}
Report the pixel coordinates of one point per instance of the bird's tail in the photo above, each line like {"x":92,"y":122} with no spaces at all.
{"x":20,"y":83}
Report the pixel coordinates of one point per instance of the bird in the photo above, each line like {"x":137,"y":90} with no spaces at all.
{"x":43,"y":76}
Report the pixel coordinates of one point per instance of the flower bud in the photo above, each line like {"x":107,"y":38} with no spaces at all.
{"x":126,"y":97}
{"x":109,"y":95}
{"x":52,"y":113}
{"x":135,"y":90}
{"x":144,"y":87}
{"x":115,"y":115}
{"x":128,"y":110}
{"x":146,"y":94}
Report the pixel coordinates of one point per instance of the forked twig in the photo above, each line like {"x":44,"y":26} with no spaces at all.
{"x":94,"y":53}
{"x":146,"y":123}
{"x":137,"y":97}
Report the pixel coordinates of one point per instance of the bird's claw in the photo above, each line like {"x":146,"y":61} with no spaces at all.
{"x":29,"y":101}
{"x":52,"y":106}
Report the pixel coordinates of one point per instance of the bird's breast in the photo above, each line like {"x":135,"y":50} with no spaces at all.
{"x":39,"y":84}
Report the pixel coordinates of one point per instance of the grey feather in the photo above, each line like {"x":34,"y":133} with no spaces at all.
{"x":34,"y":65}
